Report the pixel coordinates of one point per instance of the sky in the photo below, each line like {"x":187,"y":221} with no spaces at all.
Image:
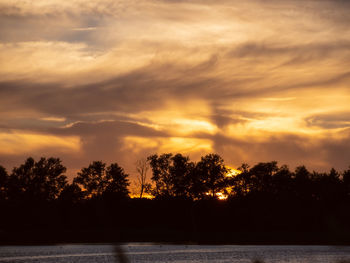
{"x":118,"y":80}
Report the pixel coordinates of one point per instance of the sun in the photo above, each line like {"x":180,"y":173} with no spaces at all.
{"x":232,"y":172}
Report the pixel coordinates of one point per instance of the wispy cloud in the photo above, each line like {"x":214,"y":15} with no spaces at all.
{"x":252,"y":80}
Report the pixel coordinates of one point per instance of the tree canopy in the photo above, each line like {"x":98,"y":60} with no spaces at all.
{"x":97,"y":180}
{"x":174,"y":176}
{"x":261,"y":199}
{"x":41,"y":180}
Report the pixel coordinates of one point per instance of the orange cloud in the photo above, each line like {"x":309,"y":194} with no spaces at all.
{"x":18,"y":143}
{"x":248,"y":79}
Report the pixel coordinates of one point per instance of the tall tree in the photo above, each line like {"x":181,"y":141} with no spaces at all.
{"x":326,"y":186}
{"x":262,"y":175}
{"x":212,"y":174}
{"x":116,"y":181}
{"x":142,"y":169}
{"x":172,"y":175}
{"x":42,"y":180}
{"x":181,"y":172}
{"x":282,"y":182}
{"x":241,"y":183}
{"x":346,"y":176}
{"x":92,"y":179}
{"x":161,"y":174}
{"x":96,"y":180}
{"x":302,"y":182}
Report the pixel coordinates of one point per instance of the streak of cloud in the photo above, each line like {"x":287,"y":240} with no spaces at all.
{"x":118,"y":80}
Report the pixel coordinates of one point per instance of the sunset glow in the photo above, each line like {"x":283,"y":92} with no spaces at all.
{"x":120,"y":80}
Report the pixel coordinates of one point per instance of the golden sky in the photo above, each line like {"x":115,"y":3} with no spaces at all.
{"x":118,"y":80}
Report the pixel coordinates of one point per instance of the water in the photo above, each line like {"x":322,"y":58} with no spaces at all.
{"x":90,"y":253}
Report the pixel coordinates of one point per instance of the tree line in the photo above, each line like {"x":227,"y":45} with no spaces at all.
{"x":264,"y":203}
{"x":173,"y":176}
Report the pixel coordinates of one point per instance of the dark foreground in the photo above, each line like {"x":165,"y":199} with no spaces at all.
{"x":181,"y":221}
{"x":266,"y":204}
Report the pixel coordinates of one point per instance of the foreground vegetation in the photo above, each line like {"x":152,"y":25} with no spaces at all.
{"x":266,"y":203}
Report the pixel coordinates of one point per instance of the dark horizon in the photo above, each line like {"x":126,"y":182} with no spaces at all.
{"x":119,"y":80}
{"x":106,"y":90}
{"x":144,"y":164}
{"x":265,"y":204}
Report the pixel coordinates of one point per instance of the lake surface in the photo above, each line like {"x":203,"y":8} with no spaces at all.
{"x":133,"y":252}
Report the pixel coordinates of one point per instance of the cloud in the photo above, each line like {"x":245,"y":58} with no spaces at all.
{"x":252,"y":80}
{"x":333,"y":120}
{"x":115,"y":128}
{"x":312,"y":51}
{"x":318,"y":153}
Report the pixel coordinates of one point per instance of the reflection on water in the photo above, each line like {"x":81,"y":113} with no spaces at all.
{"x":134,"y":252}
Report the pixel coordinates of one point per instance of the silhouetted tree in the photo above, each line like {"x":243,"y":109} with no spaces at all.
{"x":211,"y":172}
{"x":142,"y":168}
{"x":97,"y":180}
{"x":241,"y":183}
{"x":92,"y":179}
{"x":269,"y":203}
{"x":302,"y":182}
{"x":301,"y":174}
{"x":333,"y":176}
{"x":326,"y":186}
{"x":116,"y":181}
{"x":346,"y":176}
{"x":172,"y":175}
{"x":282,"y":182}
{"x":3,"y":183}
{"x":161,"y":174}
{"x":346,"y":183}
{"x":42,"y":180}
{"x":181,"y":172}
{"x":261,"y":176}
